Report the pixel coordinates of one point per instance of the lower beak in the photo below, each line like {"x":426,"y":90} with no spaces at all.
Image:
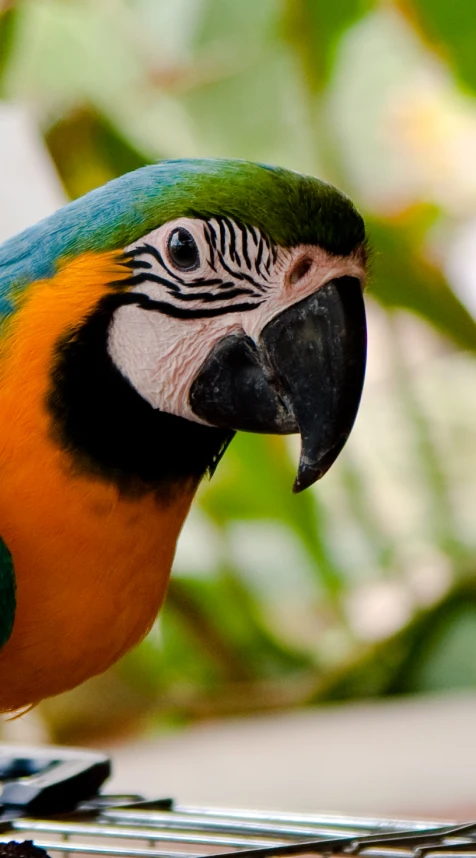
{"x":304,"y":375}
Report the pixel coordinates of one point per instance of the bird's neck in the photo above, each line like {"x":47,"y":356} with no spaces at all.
{"x":95,"y":415}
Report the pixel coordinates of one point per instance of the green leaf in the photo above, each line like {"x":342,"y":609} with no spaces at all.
{"x":88,"y":150}
{"x":8,"y":29}
{"x":314,"y":27}
{"x":446,"y":661}
{"x":224,"y":623}
{"x":451,"y":28}
{"x":441,"y":641}
{"x":246,"y":22}
{"x":247,"y":100}
{"x":257,"y":475}
{"x":402,"y":278}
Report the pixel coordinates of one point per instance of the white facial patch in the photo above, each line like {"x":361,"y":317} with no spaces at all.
{"x":198,"y":281}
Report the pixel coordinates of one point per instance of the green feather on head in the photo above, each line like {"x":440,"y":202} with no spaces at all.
{"x":289,"y":207}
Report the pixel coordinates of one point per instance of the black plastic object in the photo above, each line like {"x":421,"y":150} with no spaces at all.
{"x":49,"y":780}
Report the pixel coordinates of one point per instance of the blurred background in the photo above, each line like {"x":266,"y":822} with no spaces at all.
{"x":364,"y":587}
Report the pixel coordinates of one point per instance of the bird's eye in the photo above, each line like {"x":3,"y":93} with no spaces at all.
{"x":182,"y":250}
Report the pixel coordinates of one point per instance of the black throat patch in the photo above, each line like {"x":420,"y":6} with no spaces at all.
{"x":109,"y":430}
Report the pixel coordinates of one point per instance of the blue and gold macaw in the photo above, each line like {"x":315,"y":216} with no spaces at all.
{"x":142,"y":325}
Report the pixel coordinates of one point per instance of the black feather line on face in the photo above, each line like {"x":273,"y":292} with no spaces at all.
{"x":259,"y":255}
{"x":229,"y":232}
{"x":232,"y":241}
{"x":213,"y":235}
{"x":150,"y":304}
{"x":156,"y":254}
{"x":136,"y":264}
{"x":232,"y":291}
{"x":241,"y":275}
{"x":254,"y":233}
{"x":244,"y":244}
{"x":146,"y":277}
{"x":214,"y":281}
{"x":211,"y":260}
{"x":208,"y":297}
{"x":221,"y":227}
{"x":109,"y":431}
{"x":228,"y":291}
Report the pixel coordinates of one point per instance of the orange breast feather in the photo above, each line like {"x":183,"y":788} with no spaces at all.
{"x":91,"y":566}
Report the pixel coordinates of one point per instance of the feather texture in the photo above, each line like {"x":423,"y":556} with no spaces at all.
{"x":96,"y":475}
{"x":75,"y":540}
{"x":288,"y":207}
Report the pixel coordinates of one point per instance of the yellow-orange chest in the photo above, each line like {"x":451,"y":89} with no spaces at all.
{"x":91,"y":565}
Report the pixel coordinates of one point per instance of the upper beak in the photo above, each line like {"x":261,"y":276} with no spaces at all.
{"x":305,"y":374}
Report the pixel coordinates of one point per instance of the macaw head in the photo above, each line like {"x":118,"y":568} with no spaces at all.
{"x":239,"y":307}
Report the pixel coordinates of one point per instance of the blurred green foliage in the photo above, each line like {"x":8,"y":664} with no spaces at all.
{"x":363,"y":585}
{"x":450,"y":28}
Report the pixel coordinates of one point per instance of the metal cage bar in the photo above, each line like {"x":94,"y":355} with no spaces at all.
{"x":51,"y":796}
{"x":193,"y":832}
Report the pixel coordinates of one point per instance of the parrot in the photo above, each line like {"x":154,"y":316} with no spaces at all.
{"x":141,"y":326}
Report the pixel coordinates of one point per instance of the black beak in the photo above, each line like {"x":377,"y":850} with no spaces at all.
{"x":304,"y":375}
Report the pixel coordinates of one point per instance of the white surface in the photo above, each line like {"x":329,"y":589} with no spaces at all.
{"x":29,"y":186}
{"x":413,"y":757}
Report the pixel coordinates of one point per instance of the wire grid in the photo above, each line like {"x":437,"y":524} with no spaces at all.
{"x":193,"y":832}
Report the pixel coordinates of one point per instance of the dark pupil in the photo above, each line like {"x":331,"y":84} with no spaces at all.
{"x":183,"y":250}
